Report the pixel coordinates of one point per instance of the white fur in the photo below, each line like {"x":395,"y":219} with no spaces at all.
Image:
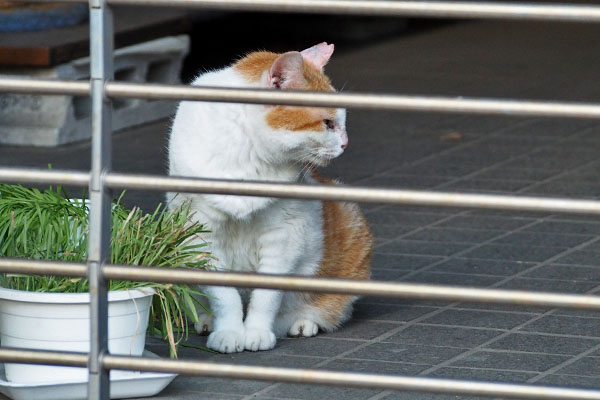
{"x":266,"y":235}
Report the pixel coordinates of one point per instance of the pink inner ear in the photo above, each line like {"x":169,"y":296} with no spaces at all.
{"x":286,"y":71}
{"x":318,"y":55}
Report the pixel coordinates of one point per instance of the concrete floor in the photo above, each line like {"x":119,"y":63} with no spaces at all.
{"x":535,"y":251}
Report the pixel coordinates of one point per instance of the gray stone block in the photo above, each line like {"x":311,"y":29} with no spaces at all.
{"x":544,"y":344}
{"x":443,"y":336}
{"x":39,"y":120}
{"x":531,"y":362}
{"x":481,"y":319}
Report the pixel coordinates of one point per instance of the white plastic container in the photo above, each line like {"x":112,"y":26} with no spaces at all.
{"x":61,"y":322}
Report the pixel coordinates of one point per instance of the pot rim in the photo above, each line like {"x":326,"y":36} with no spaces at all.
{"x":71,"y":298}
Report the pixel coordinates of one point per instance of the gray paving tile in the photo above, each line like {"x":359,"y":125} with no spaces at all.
{"x":503,"y":172}
{"x":544,"y":239}
{"x":549,"y":128}
{"x":595,"y":246}
{"x":316,"y":347}
{"x":453,"y":235}
{"x":514,"y":252}
{"x":312,"y":392}
{"x":273,"y":358}
{"x":503,"y":308}
{"x":453,"y":279}
{"x":355,"y":329}
{"x":214,"y":385}
{"x":565,"y":188}
{"x":482,"y":266}
{"x":402,"y":261}
{"x":403,"y":181}
{"x":482,"y":374}
{"x":389,"y":312}
{"x":388,"y":231}
{"x":172,"y":392}
{"x":436,"y":167}
{"x":480,"y":319}
{"x":443,"y":336}
{"x":565,"y":326}
{"x":544,"y":285}
{"x":388,"y":274}
{"x":428,"y":396}
{"x":578,"y":313}
{"x":370,"y":367}
{"x":580,"y":257}
{"x":483,"y":222}
{"x":571,"y":380}
{"x":403,"y":218}
{"x":566,"y":272}
{"x":587,"y":366}
{"x":510,"y":360}
{"x":418,"y":354}
{"x":581,"y":227}
{"x":401,"y":246}
{"x":535,"y":161}
{"x":544,"y":344}
{"x":487,"y":185}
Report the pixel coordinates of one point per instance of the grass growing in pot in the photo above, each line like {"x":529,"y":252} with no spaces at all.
{"x":47,"y":225}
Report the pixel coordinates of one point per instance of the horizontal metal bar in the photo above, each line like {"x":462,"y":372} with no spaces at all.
{"x":348,"y":193}
{"x":39,"y":267}
{"x":349,"y":379}
{"x":43,"y":357}
{"x":42,"y":176}
{"x":357,"y":287}
{"x":12,"y":84}
{"x":432,"y":9}
{"x":319,"y":99}
{"x":296,"y":375}
{"x":309,"y":284}
{"x":324,"y":192}
{"x":355,"y":100}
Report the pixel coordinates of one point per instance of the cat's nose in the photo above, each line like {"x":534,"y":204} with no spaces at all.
{"x":344,"y":140}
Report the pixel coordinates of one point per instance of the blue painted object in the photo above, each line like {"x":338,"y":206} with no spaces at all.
{"x":39,"y":17}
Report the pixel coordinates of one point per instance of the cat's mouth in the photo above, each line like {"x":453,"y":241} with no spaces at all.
{"x":324,"y":156}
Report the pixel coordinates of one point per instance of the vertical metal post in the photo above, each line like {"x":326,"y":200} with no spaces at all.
{"x":101,"y":48}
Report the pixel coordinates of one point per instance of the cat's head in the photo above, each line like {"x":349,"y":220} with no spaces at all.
{"x":302,"y":134}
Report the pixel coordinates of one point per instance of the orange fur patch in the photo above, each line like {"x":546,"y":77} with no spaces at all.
{"x":298,"y":118}
{"x":348,"y":245}
{"x":255,"y":64}
{"x":252,"y":68}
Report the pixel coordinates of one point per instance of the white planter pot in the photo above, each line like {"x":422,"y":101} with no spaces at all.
{"x":61,"y":322}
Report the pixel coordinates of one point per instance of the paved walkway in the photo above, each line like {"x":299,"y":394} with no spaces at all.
{"x":534,"y":251}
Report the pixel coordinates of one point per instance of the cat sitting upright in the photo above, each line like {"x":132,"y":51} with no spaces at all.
{"x":268,"y":235}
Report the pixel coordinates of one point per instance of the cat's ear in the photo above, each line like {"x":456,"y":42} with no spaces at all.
{"x":318,"y":55}
{"x":287,"y":71}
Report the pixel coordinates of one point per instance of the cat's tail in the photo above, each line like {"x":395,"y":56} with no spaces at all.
{"x":347,"y":252}
{"x":348,"y":245}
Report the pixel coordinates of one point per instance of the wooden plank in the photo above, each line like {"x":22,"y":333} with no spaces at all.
{"x":57,"y":46}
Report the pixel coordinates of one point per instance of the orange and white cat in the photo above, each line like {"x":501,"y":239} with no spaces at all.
{"x":268,"y":235}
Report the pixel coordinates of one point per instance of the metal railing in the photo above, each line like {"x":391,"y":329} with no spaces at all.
{"x":100,"y":180}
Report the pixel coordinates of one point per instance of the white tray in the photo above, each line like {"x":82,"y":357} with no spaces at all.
{"x":123,"y":385}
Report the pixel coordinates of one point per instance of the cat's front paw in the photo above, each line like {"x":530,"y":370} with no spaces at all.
{"x":259,"y":339}
{"x":303,"y":327}
{"x":226,"y":341}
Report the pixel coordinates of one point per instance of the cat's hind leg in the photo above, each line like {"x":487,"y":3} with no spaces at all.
{"x":303,"y":315}
{"x":204,"y":325}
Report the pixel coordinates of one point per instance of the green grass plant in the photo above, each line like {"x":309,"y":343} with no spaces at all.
{"x":47,"y":225}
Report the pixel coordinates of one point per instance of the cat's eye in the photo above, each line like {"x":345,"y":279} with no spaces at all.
{"x":329,"y":124}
